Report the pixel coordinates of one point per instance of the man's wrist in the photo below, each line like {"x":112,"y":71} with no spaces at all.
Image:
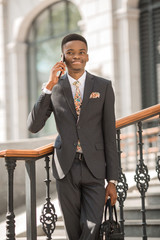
{"x":47,"y":91}
{"x":48,"y":86}
{"x":114,"y":182}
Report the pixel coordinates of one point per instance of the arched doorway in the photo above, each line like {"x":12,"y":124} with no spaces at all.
{"x":44,"y":38}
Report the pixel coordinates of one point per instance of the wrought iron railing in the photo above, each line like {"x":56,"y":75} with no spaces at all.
{"x":142,"y":177}
{"x":48,"y":217}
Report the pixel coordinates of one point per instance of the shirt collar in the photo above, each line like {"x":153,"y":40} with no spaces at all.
{"x":81,"y":79}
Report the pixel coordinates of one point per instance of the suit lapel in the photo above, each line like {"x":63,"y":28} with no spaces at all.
{"x":89,"y":83}
{"x":68,"y":94}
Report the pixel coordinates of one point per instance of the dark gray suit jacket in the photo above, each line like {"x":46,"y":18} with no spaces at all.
{"x":95,"y":128}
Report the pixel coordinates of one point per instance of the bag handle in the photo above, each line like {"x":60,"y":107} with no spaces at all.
{"x":111,"y":208}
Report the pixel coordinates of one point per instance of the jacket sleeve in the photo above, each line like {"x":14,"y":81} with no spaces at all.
{"x":40,"y":113}
{"x":109,"y":131}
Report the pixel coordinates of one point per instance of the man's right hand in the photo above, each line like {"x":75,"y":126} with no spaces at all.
{"x":53,"y":78}
{"x":112,"y":192}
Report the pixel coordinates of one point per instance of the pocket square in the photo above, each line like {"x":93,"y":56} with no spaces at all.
{"x":95,"y":95}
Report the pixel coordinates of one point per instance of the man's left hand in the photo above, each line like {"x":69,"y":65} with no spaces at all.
{"x":111,"y":191}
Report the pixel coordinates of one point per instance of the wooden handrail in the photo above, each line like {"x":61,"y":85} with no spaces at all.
{"x":48,"y":149}
{"x":38,"y":152}
{"x":138,"y":116}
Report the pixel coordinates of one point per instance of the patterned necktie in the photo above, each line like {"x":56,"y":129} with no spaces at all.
{"x":77,"y":103}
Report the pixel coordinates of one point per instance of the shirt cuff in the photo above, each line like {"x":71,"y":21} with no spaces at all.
{"x":47,"y":91}
{"x":114,"y":182}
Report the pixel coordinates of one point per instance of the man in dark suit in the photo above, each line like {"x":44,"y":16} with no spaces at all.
{"x":85,"y":149}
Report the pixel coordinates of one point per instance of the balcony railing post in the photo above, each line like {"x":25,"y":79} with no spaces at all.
{"x":158,"y":158}
{"x":48,"y":217}
{"x":122,"y":185}
{"x":158,"y":168}
{"x":31,"y":200}
{"x":10,"y":217}
{"x":142,"y":179}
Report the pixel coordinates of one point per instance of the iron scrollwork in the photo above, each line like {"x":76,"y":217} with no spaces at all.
{"x":48,"y":217}
{"x":158,"y":167}
{"x":122,"y":185}
{"x":142,"y":179}
{"x":158,"y":160}
{"x":122,"y":188}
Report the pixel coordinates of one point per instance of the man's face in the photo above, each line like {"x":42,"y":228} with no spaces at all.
{"x":76,"y":56}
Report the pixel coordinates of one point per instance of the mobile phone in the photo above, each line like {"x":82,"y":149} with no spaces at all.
{"x":63,"y":60}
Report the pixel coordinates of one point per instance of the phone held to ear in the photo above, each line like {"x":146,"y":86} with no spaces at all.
{"x":63,"y":60}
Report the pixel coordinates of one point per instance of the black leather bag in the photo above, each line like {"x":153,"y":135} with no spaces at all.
{"x":110,"y":228}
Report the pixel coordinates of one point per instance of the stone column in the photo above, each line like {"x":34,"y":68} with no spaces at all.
{"x":2,"y":73}
{"x":128,"y":77}
{"x":18,"y":74}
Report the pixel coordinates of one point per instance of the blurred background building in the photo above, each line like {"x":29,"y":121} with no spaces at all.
{"x":124,"y":46}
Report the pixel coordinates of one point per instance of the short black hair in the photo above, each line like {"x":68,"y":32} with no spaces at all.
{"x":73,"y":37}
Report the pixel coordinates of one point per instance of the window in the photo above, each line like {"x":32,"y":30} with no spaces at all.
{"x":150,"y":51}
{"x":44,"y":51}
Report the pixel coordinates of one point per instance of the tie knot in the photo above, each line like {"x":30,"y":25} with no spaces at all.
{"x":77,"y":83}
